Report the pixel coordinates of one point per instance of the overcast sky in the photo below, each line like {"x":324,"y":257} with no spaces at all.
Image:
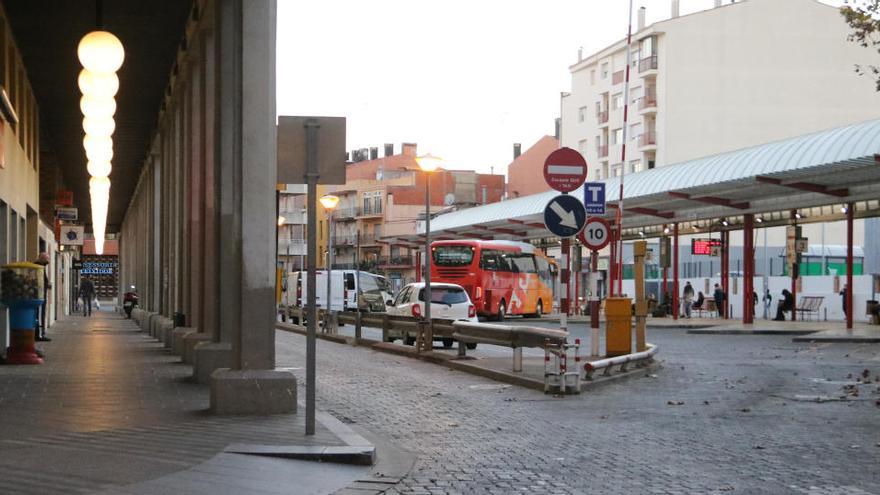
{"x":465,"y":79}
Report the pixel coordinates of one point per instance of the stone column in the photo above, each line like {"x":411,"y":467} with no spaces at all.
{"x":217,"y":353}
{"x":248,"y":177}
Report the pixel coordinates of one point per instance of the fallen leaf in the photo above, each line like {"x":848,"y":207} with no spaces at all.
{"x":674,"y":402}
{"x":745,"y":410}
{"x":705,"y":402}
{"x":759,"y":447}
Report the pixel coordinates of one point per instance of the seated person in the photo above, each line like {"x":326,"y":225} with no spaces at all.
{"x":784,"y":304}
{"x":700,"y":299}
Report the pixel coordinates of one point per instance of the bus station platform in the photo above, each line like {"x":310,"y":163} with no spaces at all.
{"x":112,"y":411}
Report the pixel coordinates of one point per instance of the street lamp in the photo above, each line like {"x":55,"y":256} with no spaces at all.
{"x":428,"y":163}
{"x":329,"y":202}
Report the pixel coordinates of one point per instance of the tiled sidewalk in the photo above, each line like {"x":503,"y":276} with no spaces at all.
{"x":111,"y":409}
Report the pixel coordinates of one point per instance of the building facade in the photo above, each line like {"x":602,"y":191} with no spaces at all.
{"x":383,"y":199}
{"x":521,"y":179}
{"x":715,"y":81}
{"x":719,"y":80}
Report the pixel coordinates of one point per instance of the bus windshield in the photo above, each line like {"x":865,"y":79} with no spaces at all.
{"x":453,"y":255}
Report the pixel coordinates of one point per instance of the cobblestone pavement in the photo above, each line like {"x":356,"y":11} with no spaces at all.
{"x":724,"y":414}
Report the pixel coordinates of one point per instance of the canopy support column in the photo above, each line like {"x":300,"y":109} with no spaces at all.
{"x":748,"y":268}
{"x":675,"y":304}
{"x":725,"y":274}
{"x":849,"y":267}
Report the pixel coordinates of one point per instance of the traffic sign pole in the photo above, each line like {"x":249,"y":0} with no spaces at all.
{"x":594,"y":302}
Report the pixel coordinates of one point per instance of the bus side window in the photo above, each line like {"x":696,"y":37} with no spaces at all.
{"x":349,"y":281}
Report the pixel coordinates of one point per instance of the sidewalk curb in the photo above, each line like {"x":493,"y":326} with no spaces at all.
{"x":735,"y":331}
{"x":357,"y":450}
{"x":835,"y":340}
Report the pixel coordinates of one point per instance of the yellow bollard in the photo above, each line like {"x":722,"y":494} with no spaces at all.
{"x":618,"y":326}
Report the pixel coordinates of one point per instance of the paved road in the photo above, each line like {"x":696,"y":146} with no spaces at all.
{"x":724,"y":414}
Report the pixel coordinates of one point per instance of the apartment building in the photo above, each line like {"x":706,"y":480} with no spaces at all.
{"x":718,"y":80}
{"x":383,"y":198}
{"x":740,"y":74}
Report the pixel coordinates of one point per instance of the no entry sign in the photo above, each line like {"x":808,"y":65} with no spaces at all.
{"x":596,"y":233}
{"x":565,"y":170}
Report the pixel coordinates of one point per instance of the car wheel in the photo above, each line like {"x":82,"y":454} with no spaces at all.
{"x":502,"y":311}
{"x":539,"y":310}
{"x":447,"y":343}
{"x":471,"y":346}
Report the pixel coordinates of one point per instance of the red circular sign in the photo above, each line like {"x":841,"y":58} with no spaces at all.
{"x":565,"y":170}
{"x":596,"y":234}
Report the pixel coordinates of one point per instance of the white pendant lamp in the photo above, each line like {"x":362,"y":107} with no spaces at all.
{"x":100,"y":51}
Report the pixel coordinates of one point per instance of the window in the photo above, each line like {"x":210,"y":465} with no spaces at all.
{"x":402,"y":296}
{"x":445,"y":295}
{"x":377,"y":231}
{"x":453,"y":255}
{"x":635,"y":166}
{"x":582,"y":146}
{"x":648,"y":47}
{"x":634,"y":60}
{"x":617,"y":136}
{"x":635,"y":130}
{"x":598,"y":141}
{"x":598,"y":174}
{"x":582,"y":114}
{"x":494,"y":261}
{"x":605,"y":70}
{"x":377,"y":202}
{"x":522,"y":263}
{"x":617,"y":101}
{"x":634,"y":94}
{"x":617,"y":170}
{"x":592,"y":77}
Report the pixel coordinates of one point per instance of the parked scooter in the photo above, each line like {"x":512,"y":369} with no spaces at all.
{"x":129,"y":301}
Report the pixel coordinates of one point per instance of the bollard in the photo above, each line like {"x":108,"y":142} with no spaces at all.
{"x":517,"y":359}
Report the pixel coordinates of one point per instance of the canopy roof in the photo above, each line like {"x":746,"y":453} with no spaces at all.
{"x":814,"y":173}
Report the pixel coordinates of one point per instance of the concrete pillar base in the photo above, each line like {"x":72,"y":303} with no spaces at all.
{"x":177,"y":336}
{"x":163,"y":328}
{"x":252,"y":392}
{"x":210,"y":356}
{"x":147,"y":322}
{"x":189,"y":343}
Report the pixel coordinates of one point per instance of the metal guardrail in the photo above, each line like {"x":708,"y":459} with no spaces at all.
{"x":639,"y":357}
{"x":515,"y":337}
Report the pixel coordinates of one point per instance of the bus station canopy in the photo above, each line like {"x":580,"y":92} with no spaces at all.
{"x":815,"y":174}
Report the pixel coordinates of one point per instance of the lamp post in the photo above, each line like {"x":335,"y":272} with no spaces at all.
{"x":329,"y":202}
{"x":428,"y":163}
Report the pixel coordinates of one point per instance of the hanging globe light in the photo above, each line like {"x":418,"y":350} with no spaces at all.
{"x":99,"y":126}
{"x":98,"y":84}
{"x":100,"y":153}
{"x":99,"y":169}
{"x":93,"y":143}
{"x":100,"y":51}
{"x":97,"y":106}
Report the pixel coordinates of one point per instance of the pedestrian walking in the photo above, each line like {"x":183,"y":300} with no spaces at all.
{"x":40,"y":335}
{"x":719,"y":300}
{"x":87,"y":293}
{"x":768,"y":299}
{"x":688,"y":296}
{"x":843,"y":299}
{"x":754,"y":303}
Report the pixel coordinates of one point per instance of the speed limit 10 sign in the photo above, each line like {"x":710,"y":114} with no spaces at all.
{"x":596,"y":234}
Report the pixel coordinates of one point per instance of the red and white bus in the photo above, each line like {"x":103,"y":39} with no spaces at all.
{"x":501,"y":277}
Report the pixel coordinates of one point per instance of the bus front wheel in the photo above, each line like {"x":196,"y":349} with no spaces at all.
{"x":539,"y":310}
{"x":502,"y":311}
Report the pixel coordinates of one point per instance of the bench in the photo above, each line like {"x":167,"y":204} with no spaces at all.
{"x":809,"y":305}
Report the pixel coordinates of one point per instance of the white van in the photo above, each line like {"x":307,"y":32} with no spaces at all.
{"x":345,"y":286}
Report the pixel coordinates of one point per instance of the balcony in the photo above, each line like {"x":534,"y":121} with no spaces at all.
{"x":617,"y":77}
{"x":294,"y":247}
{"x":648,"y":139}
{"x":344,"y":240}
{"x":648,"y":64}
{"x":370,"y":211}
{"x":293,"y":217}
{"x":369,"y":239}
{"x":345,"y":214}
{"x":390,"y":262}
{"x":602,"y":117}
{"x":649,"y":101}
{"x":602,"y":151}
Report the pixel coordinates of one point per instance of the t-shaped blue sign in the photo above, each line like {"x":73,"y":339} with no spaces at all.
{"x":594,"y":198}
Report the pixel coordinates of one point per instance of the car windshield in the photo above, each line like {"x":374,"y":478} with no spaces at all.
{"x":445,"y":295}
{"x":453,"y":255}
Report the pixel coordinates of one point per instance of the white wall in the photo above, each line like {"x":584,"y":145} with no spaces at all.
{"x":810,"y":286}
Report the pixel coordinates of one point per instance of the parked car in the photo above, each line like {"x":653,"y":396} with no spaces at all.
{"x":448,"y":302}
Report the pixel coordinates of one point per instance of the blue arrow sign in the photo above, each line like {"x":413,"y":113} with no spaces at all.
{"x":594,"y":198}
{"x":565,"y":216}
